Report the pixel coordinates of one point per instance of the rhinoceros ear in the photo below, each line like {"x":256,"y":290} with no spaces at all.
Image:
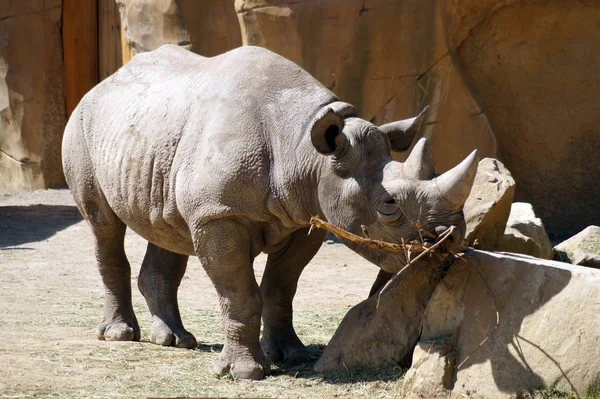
{"x":402,"y":133}
{"x":326,"y":129}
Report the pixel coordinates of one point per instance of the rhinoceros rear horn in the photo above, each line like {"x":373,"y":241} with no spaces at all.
{"x":402,"y":133}
{"x":419,"y":164}
{"x":455,"y":185}
{"x":326,"y":129}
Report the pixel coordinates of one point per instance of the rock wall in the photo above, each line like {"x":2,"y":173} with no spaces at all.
{"x":516,"y":79}
{"x":32,"y":105}
{"x":534,"y":66}
{"x":209,"y":29}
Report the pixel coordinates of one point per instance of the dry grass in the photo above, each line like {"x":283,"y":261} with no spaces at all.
{"x":553,"y":393}
{"x":51,"y":299}
{"x":140,"y":369}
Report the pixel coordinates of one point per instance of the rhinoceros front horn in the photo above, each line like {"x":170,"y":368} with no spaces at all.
{"x":402,"y":133}
{"x":455,"y":185}
{"x":327,"y":125}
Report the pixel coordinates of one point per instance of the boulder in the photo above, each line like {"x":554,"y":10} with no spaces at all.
{"x":384,"y":328}
{"x":582,"y":249}
{"x":499,"y":324}
{"x":32,"y":105}
{"x":488,"y":206}
{"x":525,"y":233}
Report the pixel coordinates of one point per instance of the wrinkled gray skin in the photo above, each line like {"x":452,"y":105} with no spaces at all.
{"x":226,"y":157}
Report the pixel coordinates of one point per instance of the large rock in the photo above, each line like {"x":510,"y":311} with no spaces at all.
{"x":498,"y":324}
{"x":384,"y":328}
{"x":525,"y":233}
{"x":488,"y":206}
{"x":582,"y":249}
{"x":32,"y":106}
{"x":524,"y":60}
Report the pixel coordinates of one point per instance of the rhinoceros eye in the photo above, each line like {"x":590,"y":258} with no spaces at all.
{"x":388,"y":210}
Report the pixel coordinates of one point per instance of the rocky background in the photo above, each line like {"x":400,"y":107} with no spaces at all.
{"x":517,"y":79}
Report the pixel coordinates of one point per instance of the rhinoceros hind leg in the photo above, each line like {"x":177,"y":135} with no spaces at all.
{"x":120,"y":323}
{"x":224,"y":249}
{"x":158,"y":282}
{"x":278,"y":287}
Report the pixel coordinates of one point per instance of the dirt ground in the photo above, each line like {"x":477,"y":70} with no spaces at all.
{"x":51,"y":300}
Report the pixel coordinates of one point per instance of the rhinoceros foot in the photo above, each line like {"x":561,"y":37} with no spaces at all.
{"x":242,"y":365}
{"x":118,"y":331}
{"x":161,"y":334}
{"x":288,"y":350}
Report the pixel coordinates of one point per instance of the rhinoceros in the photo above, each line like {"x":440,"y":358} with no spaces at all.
{"x":227,"y":157}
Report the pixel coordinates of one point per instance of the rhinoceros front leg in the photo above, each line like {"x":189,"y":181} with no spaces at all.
{"x":224,"y":249}
{"x":159,"y":280}
{"x":278,"y":287}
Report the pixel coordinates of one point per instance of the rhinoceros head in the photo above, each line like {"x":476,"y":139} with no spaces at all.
{"x":361,"y":185}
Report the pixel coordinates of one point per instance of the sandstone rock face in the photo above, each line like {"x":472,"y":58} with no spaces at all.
{"x":149,"y":24}
{"x":503,"y":76}
{"x":582,"y":249}
{"x":526,"y":61}
{"x":208,"y":29}
{"x":388,"y":58}
{"x":488,"y":206}
{"x":525,"y":233}
{"x":213,"y":27}
{"x":32,"y":104}
{"x":500,"y":323}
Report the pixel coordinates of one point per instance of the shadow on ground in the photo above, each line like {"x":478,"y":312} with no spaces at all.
{"x":23,"y":224}
{"x":384,"y":374}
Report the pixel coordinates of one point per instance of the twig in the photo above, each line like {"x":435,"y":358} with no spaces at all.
{"x":365,"y":232}
{"x":376,"y":244}
{"x":441,"y":239}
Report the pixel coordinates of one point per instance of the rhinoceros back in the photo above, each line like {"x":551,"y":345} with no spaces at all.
{"x":172,"y":124}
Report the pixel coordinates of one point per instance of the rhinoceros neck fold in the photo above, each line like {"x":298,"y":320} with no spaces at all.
{"x":295,"y":177}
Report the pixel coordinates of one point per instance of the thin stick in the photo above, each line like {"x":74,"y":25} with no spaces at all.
{"x":442,"y":238}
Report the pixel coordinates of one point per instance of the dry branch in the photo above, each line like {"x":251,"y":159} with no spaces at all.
{"x":407,"y":249}
{"x":413,"y":246}
{"x":431,"y":249}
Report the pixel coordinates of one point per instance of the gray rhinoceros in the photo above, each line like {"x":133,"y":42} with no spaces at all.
{"x":227,"y":157}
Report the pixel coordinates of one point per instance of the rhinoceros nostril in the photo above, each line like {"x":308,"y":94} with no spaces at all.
{"x":439,"y":230}
{"x":453,"y":237}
